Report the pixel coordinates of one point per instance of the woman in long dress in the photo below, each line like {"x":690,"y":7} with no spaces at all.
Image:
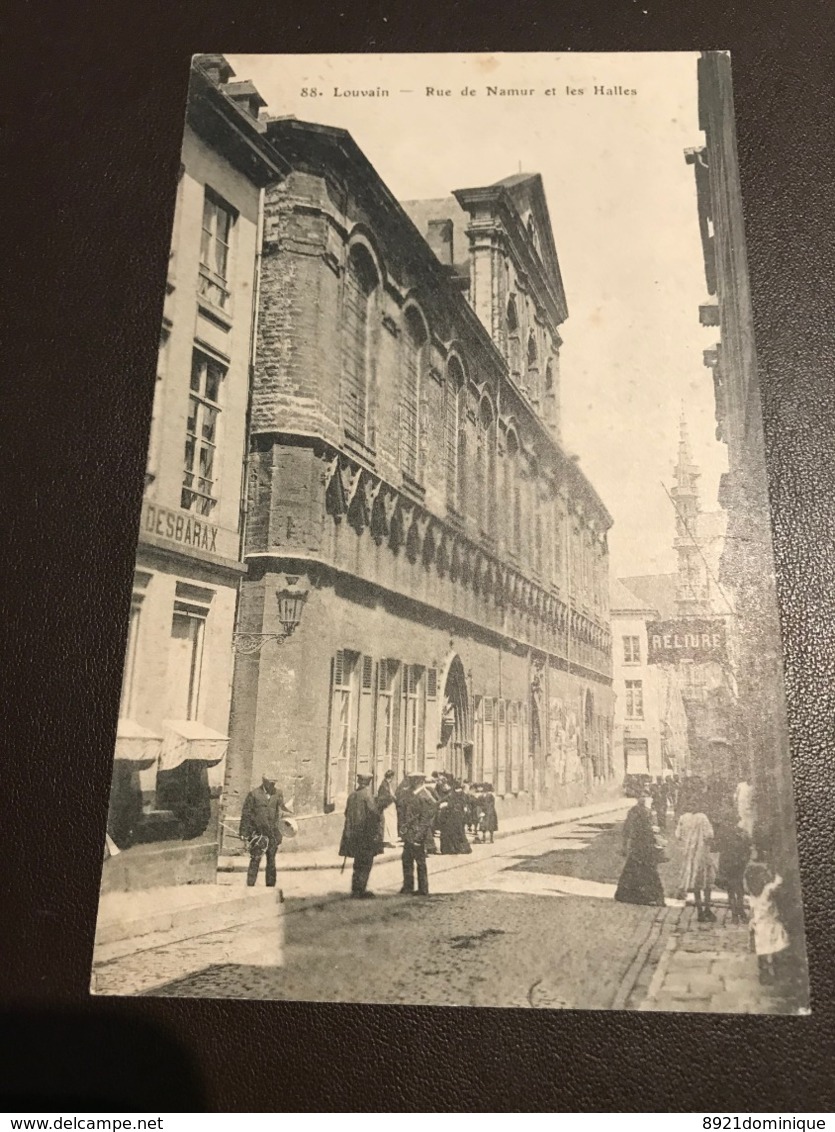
{"x":695,"y":833}
{"x":639,"y":882}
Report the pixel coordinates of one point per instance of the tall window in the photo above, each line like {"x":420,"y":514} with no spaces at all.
{"x":486,"y":458}
{"x":631,"y":650}
{"x":360,"y":284}
{"x":558,"y":531}
{"x":456,"y":409}
{"x":215,"y":239}
{"x":634,"y":699}
{"x":414,"y":711}
{"x":343,"y":735}
{"x":492,"y":765}
{"x":414,"y":361}
{"x":200,"y":481}
{"x":533,"y":368}
{"x":513,"y":492}
{"x":513,"y":360}
{"x":185,"y":659}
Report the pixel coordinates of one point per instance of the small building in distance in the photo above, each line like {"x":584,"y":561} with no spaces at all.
{"x":650,"y":721}
{"x":174,"y":715}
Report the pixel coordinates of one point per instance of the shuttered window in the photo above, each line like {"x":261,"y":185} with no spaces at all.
{"x":342,"y":741}
{"x":414,"y":704}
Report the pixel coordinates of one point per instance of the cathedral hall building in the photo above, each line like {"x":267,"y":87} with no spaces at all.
{"x":407,"y":482}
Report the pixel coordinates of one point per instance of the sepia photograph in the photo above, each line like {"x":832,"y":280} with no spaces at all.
{"x":453,"y":672}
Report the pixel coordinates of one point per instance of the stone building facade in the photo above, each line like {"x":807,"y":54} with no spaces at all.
{"x":174,"y":715}
{"x":406,"y":477}
{"x":761,"y":729}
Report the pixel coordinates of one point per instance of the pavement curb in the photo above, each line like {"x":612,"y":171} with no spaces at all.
{"x":214,"y":916}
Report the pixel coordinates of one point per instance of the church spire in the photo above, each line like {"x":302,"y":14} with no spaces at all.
{"x":691,"y":583}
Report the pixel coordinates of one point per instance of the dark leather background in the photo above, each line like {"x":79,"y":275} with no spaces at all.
{"x":96,"y":95}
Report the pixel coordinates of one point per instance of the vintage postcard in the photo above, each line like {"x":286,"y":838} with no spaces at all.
{"x":453,"y":671}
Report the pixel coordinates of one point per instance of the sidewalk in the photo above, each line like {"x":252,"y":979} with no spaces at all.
{"x":129,"y":922}
{"x":329,"y":858}
{"x":709,"y":968}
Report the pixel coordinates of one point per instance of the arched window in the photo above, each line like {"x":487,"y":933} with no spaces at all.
{"x":360,"y":283}
{"x":513,"y":492}
{"x":414,"y":361}
{"x":549,"y":376}
{"x":533,"y":367}
{"x":456,"y":409}
{"x":486,"y":459}
{"x":535,"y":515}
{"x":513,"y":359}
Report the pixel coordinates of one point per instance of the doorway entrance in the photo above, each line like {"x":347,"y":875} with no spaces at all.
{"x":455,"y":749}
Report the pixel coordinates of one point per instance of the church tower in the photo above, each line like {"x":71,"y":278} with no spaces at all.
{"x":692,"y":598}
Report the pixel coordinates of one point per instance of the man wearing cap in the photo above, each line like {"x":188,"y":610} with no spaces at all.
{"x":362,"y":836}
{"x":417,"y":817}
{"x":260,"y":827}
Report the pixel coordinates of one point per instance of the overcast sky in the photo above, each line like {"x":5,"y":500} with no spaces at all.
{"x":623,"y":209}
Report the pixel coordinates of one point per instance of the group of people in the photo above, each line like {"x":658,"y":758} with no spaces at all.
{"x":419,"y":813}
{"x":708,"y":824}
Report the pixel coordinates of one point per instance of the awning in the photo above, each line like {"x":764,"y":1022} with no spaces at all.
{"x":186,"y":739}
{"x":137,"y":745}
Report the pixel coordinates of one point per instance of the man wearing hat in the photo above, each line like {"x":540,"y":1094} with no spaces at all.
{"x":417,"y":817}
{"x":260,"y":827}
{"x":362,"y":836}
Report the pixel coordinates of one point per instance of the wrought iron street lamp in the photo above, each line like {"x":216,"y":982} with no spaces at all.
{"x":292,"y":594}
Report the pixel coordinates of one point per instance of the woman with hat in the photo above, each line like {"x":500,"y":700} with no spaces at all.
{"x":261,"y":825}
{"x":639,"y":882}
{"x":362,"y":835}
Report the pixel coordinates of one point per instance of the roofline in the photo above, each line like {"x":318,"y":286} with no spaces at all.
{"x":241,"y":130}
{"x":352,"y":152}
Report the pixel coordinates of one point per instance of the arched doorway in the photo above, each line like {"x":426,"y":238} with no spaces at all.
{"x":455,"y":747}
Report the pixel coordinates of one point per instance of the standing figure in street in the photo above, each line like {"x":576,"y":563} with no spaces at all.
{"x":417,"y":817}
{"x":744,"y":804}
{"x":260,"y":828}
{"x":488,"y":819}
{"x":769,"y":936}
{"x":453,"y":821}
{"x":385,"y":802}
{"x":639,"y":882}
{"x":734,"y":846}
{"x":659,"y":802}
{"x":696,"y":834}
{"x":362,"y":835}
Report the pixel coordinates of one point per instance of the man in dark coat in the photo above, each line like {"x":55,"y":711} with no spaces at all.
{"x":362,"y":837}
{"x":260,"y":827}
{"x":417,"y":817}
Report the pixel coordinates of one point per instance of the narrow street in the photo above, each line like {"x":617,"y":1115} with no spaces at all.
{"x":529,"y":921}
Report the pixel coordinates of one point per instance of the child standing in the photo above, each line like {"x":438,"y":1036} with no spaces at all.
{"x":734,"y":855}
{"x":770,"y":939}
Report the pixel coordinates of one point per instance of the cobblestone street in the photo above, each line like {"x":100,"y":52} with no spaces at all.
{"x":527,"y":922}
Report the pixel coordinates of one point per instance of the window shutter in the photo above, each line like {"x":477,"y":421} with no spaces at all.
{"x":431,"y":683}
{"x":488,"y":711}
{"x":339,"y":669}
{"x":502,"y":711}
{"x":367,"y":673}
